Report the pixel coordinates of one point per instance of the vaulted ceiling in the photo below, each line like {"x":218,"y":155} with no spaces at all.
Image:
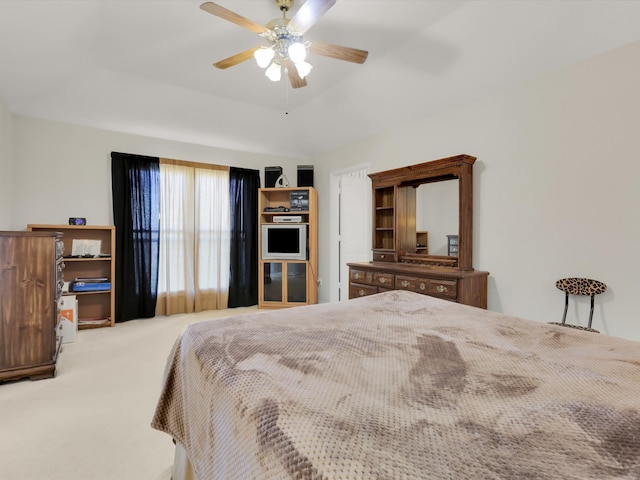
{"x":145,"y":66}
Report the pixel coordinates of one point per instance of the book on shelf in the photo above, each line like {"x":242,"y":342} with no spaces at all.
{"x":91,"y":279}
{"x":93,"y":321}
{"x":90,"y":286}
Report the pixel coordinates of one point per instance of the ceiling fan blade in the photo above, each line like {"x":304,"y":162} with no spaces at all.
{"x":218,"y":11}
{"x":236,"y":59}
{"x":308,"y":14}
{"x":294,"y":78}
{"x":340,"y":53}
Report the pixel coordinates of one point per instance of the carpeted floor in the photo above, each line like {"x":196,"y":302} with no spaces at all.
{"x":91,"y":422}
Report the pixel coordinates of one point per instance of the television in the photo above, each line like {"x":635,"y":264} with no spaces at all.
{"x":284,"y":241}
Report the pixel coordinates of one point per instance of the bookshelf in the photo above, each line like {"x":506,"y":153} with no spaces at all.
{"x":96,"y":307}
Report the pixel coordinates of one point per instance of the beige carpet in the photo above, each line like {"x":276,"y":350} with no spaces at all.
{"x":91,"y":422}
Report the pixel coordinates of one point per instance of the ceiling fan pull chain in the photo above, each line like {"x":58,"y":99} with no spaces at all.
{"x":286,"y":98}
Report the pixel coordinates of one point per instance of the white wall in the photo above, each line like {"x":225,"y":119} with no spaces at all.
{"x":556,"y":182}
{"x":556,"y":186}
{"x":6,"y":167}
{"x":65,"y":170}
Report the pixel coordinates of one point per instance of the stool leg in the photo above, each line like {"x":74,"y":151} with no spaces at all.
{"x":591,"y":312}
{"x":566,"y":306}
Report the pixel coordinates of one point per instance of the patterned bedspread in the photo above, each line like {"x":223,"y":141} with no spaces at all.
{"x":401,"y":386}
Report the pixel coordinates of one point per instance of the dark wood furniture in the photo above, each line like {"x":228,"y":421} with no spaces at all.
{"x":30,"y":286}
{"x":398,"y":263}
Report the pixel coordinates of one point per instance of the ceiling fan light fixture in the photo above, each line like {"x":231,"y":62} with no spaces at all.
{"x":286,"y":48}
{"x":303,"y":68}
{"x":263,"y":56}
{"x":274,"y":72}
{"x":297,"y":52}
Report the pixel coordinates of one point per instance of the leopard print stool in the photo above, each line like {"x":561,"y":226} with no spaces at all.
{"x":579,"y":286}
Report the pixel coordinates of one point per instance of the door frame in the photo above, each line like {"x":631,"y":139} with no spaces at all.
{"x":334,"y":224}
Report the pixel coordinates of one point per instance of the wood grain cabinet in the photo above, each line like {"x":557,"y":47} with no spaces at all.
{"x":468,"y":287}
{"x":401,"y":259}
{"x":30,"y":285}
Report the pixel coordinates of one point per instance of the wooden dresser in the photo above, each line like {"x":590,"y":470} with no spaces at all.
{"x":401,"y":259}
{"x":468,"y":287}
{"x":30,"y":286}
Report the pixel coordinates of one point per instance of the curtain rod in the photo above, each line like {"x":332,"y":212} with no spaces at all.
{"x":184,"y":163}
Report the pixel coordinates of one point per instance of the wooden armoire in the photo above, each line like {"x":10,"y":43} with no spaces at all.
{"x":30,"y":286}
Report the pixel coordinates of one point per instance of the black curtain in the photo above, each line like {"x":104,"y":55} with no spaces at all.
{"x":243,"y":277}
{"x":135,"y":186}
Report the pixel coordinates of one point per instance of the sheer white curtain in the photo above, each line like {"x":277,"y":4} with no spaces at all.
{"x":194,"y":239}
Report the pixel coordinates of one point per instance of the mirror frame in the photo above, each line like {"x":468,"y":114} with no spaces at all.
{"x":459,"y":167}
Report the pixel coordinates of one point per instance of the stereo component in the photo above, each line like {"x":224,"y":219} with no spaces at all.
{"x":271,"y":175}
{"x":287,"y":218}
{"x":305,"y":175}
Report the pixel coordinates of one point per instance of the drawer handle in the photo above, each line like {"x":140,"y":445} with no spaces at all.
{"x":441,"y":288}
{"x":405,"y":284}
{"x":382,"y":256}
{"x":357,"y":276}
{"x":383,"y":280}
{"x":361,"y":292}
{"x":423,"y":286}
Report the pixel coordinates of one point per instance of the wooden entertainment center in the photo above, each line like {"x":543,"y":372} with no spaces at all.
{"x":399,"y":261}
{"x":288,"y":277}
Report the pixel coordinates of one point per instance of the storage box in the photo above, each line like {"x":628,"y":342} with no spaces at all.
{"x":68,"y":318}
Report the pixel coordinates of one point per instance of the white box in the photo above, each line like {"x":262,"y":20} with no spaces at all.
{"x":68,"y":318}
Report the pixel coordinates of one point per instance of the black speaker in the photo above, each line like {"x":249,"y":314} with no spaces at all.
{"x":271,"y":174}
{"x":305,"y":175}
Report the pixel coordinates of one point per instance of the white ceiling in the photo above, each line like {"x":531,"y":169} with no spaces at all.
{"x":144,"y":66}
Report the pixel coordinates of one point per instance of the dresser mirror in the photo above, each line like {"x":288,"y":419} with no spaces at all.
{"x":436,"y":216}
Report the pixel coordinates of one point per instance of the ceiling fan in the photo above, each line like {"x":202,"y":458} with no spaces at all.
{"x":286,"y":50}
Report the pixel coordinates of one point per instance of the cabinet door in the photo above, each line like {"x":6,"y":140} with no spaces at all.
{"x":285,"y":283}
{"x":28,"y":299}
{"x":272,"y":281}
{"x":296,"y":282}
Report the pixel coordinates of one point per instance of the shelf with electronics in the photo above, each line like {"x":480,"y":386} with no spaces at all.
{"x":287,"y":247}
{"x":89,"y":270}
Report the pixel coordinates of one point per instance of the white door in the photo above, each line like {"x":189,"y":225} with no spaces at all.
{"x":354,"y":236}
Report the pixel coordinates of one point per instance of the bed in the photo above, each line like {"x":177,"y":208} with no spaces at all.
{"x":400,"y":385}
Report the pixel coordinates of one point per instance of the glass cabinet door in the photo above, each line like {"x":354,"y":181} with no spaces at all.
{"x":296,"y":282}
{"x":273,"y":281}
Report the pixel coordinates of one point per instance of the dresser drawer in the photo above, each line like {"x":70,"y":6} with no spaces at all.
{"x":443,"y":288}
{"x":384,"y":256}
{"x":360,"y":276}
{"x":382,"y":279}
{"x":356,"y":290}
{"x":413,"y":284}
